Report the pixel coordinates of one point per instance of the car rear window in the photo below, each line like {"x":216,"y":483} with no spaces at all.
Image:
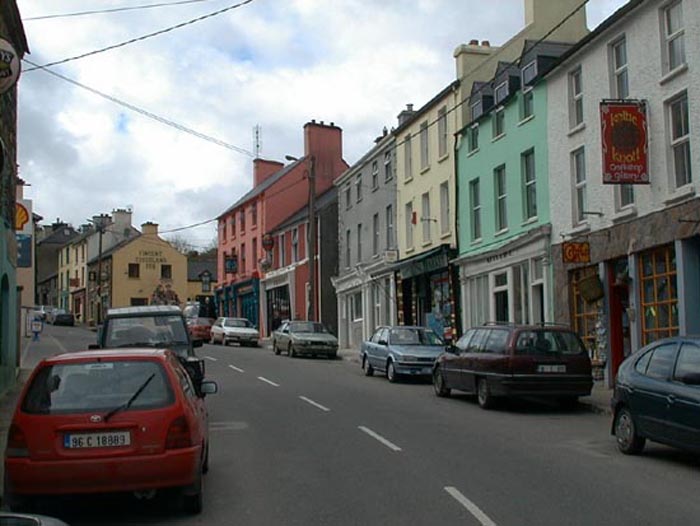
{"x":146,"y":331}
{"x":549,"y":343}
{"x":237,"y":323}
{"x":97,"y":386}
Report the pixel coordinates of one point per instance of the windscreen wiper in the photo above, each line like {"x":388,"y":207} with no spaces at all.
{"x":130,"y":401}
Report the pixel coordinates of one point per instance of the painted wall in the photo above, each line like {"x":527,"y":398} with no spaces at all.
{"x":520,"y":136}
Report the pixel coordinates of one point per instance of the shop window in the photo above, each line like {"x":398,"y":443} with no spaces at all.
{"x":500,"y":297}
{"x":659,"y":294}
{"x":584,"y":314}
{"x":357,"y":306}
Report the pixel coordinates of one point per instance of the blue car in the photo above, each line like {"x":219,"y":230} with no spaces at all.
{"x":401,"y":351}
{"x":657,"y":396}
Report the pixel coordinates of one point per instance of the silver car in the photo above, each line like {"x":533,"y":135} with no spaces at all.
{"x":234,"y":330}
{"x":400,"y":350}
{"x":304,"y":337}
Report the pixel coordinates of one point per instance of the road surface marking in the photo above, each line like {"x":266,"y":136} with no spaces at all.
{"x":381,"y":439}
{"x":236,"y":369}
{"x":211,"y":358}
{"x":263,"y":379}
{"x":315,"y":404}
{"x":471,"y":507}
{"x":59,"y":344}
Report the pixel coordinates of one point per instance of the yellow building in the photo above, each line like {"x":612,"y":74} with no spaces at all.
{"x":201,"y":279}
{"x":142,"y":270}
{"x":77,"y":274}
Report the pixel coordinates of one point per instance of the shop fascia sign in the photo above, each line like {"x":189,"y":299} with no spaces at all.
{"x":576,"y":252}
{"x":625,"y":142}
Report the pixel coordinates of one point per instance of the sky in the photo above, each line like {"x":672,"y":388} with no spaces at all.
{"x":271,"y":64}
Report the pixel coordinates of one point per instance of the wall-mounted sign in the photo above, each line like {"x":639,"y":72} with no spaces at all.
{"x":21,"y":216}
{"x":9,"y":65}
{"x":24,"y":251}
{"x":625,"y":142}
{"x":268,"y":242}
{"x":231,"y":265}
{"x":576,"y":252}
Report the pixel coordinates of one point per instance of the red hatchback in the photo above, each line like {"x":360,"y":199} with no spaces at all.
{"x":200,"y":328}
{"x":109,"y":421}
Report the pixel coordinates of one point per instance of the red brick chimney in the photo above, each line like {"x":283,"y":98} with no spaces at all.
{"x":262,"y":169}
{"x":325,"y":143}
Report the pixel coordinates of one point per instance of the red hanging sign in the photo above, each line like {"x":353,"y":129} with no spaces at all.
{"x":625,"y":142}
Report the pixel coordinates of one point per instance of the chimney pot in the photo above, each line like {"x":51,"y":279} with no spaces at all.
{"x":313,"y":121}
{"x":409,"y":107}
{"x":332,"y":123}
{"x":321,"y":123}
{"x":473,"y":42}
{"x":486,"y":43}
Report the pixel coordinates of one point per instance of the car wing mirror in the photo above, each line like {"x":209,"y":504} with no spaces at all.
{"x":208,"y":387}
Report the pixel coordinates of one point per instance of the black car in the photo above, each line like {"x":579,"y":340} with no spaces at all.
{"x":62,"y":317}
{"x":657,"y":396}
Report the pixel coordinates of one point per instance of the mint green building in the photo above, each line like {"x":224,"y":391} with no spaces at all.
{"x":503,"y":201}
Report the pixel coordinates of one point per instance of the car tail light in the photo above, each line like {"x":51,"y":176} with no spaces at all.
{"x":16,"y":443}
{"x":178,"y":434}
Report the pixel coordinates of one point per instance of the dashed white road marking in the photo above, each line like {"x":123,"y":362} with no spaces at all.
{"x":315,"y":404}
{"x":380,"y":438}
{"x":211,"y":358}
{"x":59,"y":345}
{"x":471,"y":507}
{"x":236,"y":369}
{"x":263,"y":379}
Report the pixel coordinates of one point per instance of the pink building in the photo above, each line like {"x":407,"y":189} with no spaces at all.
{"x":279,"y":192}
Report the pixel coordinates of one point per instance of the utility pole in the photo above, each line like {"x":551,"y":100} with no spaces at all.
{"x":100,"y":223}
{"x":312,"y":240}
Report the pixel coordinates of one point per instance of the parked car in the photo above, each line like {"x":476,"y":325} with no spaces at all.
{"x":401,"y":350}
{"x":28,"y":519}
{"x":60,"y":317}
{"x":200,"y":328}
{"x":108,"y":421}
{"x":657,"y":396}
{"x":506,"y":360}
{"x":234,"y":330}
{"x":42,"y":311}
{"x":304,"y":337}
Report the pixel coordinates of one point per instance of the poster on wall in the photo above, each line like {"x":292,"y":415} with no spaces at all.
{"x":24,"y":229}
{"x":625,"y":142}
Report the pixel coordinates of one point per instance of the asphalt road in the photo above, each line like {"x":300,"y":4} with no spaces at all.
{"x":301,"y":441}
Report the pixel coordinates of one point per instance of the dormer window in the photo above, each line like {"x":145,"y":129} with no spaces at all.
{"x":501,"y":92}
{"x":477,"y":109}
{"x":529,"y":73}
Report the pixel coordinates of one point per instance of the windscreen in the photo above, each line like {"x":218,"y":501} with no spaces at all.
{"x":414,"y":336}
{"x":146,"y":331}
{"x":97,"y":386}
{"x":239,"y":323}
{"x":549,"y":343}
{"x":307,"y":326}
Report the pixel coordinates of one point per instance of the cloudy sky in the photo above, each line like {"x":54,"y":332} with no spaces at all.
{"x":275,"y":64}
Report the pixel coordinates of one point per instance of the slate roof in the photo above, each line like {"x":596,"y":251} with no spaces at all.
{"x":195,"y":267}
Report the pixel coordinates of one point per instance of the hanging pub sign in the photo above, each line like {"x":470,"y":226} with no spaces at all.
{"x":9,"y":65}
{"x":573,"y":252}
{"x":268,"y":242}
{"x":625,"y":142}
{"x":231,"y":265}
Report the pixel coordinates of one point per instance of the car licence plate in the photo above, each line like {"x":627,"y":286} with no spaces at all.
{"x":551,"y":368}
{"x":89,"y":440}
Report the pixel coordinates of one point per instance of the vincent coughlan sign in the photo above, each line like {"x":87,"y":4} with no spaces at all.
{"x":625,"y":142}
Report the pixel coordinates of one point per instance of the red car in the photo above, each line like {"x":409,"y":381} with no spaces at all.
{"x":200,"y":328}
{"x":109,"y":421}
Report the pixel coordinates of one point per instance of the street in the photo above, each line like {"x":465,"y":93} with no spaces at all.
{"x":313,"y":441}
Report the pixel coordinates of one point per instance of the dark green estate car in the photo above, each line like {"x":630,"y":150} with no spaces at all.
{"x":657,"y":396}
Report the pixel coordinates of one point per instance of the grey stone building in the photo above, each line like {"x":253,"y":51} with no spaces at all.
{"x":365,"y":284}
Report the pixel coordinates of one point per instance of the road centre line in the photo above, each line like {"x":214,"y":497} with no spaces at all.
{"x":211,"y":358}
{"x":380,"y":438}
{"x":236,"y":369}
{"x":263,"y":379}
{"x":315,"y":404}
{"x":471,"y":507}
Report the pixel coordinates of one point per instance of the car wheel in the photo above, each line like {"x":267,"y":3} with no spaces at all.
{"x":291,"y":352}
{"x":391,"y":374}
{"x":275,"y":348}
{"x":439,"y":384}
{"x":628,"y":441}
{"x":367,"y":367}
{"x":483,"y":394}
{"x":333,"y":355}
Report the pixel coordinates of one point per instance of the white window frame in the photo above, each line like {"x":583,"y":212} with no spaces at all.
{"x":408,"y":158}
{"x":375,"y":174}
{"x":390,"y":236}
{"x":495,"y":289}
{"x":579,"y":185}
{"x":356,"y":303}
{"x":618,"y":69}
{"x":530,"y":65}
{"x":473,"y":138}
{"x":475,"y":209}
{"x":388,"y":175}
{"x":501,"y":92}
{"x":477,"y":108}
{"x":624,"y":196}
{"x":409,"y":224}
{"x":670,"y":37}
{"x":499,"y":122}
{"x":681,"y":141}
{"x":445,"y":226}
{"x":348,"y":197}
{"x":425,"y":217}
{"x":500,"y":190}
{"x":529,"y":185}
{"x":424,"y":146}
{"x":576,"y":116}
{"x":442,"y":132}
{"x":527,"y":106}
{"x":375,"y":234}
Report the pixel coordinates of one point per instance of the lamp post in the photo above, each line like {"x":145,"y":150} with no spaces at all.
{"x":101,"y":221}
{"x":311,"y":314}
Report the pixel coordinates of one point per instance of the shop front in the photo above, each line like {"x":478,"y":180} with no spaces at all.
{"x":277,"y":299}
{"x":639,"y":283}
{"x":510,"y":284}
{"x":426,"y":292}
{"x":245,"y":302}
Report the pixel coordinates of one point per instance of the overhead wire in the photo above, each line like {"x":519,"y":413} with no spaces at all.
{"x":146,"y":113}
{"x":141,"y":38}
{"x":114,"y":10}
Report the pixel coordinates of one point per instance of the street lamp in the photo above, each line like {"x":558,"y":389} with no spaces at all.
{"x":311,"y":314}
{"x":101,"y":221}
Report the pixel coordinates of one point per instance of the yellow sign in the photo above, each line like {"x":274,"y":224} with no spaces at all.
{"x":21,"y":216}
